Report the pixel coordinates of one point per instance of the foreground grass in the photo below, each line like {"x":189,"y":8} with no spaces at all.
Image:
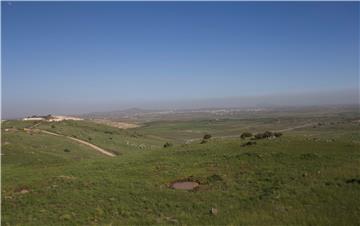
{"x":294,"y":179}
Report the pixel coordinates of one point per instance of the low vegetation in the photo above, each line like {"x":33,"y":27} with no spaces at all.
{"x":167,"y":144}
{"x":246,"y":135}
{"x":267,"y":134}
{"x":248,"y":143}
{"x":309,"y":176}
{"x":207,"y":136}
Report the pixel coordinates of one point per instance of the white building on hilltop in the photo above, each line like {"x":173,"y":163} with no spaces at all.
{"x":51,"y":118}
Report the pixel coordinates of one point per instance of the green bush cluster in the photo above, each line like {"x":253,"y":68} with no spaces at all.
{"x":267,"y":134}
{"x":207,"y":136}
{"x":245,"y":135}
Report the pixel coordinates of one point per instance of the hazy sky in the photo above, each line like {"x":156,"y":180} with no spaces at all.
{"x":69,"y":57}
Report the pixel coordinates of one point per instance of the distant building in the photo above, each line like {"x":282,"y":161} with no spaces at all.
{"x":58,"y":118}
{"x":51,"y":118}
{"x":33,"y":119}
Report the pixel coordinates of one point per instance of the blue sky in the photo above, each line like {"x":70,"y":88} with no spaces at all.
{"x":59,"y":56}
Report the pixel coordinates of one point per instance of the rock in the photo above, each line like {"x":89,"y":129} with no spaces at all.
{"x":24,"y":191}
{"x":214,"y":211}
{"x":172,"y":220}
{"x":65,"y":217}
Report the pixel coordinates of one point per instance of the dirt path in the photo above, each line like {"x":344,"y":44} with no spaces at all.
{"x":35,"y":125}
{"x":82,"y":142}
{"x":296,"y":127}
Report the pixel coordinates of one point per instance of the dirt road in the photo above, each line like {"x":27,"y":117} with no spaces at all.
{"x":82,"y":142}
{"x":296,"y":127}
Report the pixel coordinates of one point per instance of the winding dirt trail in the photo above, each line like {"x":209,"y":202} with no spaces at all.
{"x":82,"y":142}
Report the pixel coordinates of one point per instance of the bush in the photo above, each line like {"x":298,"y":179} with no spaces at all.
{"x":278,"y":134}
{"x":267,"y":134}
{"x":264,"y":135}
{"x":203,"y":141}
{"x":53,"y":126}
{"x":259,"y":136}
{"x":66,"y":150}
{"x":214,"y":178}
{"x":207,"y":136}
{"x":248,"y":143}
{"x":167,"y":144}
{"x":245,"y":135}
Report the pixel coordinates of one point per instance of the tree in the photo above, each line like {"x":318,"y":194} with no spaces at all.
{"x":207,"y":136}
{"x":245,"y":135}
{"x":264,"y":135}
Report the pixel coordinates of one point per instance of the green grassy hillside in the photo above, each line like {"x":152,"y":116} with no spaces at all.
{"x":309,"y":176}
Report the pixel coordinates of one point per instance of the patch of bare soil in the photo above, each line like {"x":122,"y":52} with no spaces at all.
{"x":120,"y":125}
{"x":185,"y":185}
{"x":24,"y":191}
{"x":67,"y":177}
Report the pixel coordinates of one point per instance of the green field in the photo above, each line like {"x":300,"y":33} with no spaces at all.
{"x":308,"y":176}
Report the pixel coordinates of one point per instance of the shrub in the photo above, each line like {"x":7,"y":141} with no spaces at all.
{"x":278,"y":134}
{"x":267,"y":134}
{"x":66,"y":150}
{"x":264,"y":135}
{"x":203,"y":141}
{"x":259,"y":136}
{"x":214,"y":178}
{"x":248,"y":143}
{"x":53,"y":126}
{"x":207,"y":136}
{"x":245,"y":135}
{"x":167,"y":144}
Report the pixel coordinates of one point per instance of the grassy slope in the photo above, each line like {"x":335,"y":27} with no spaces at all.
{"x":291,"y":180}
{"x":110,"y":138}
